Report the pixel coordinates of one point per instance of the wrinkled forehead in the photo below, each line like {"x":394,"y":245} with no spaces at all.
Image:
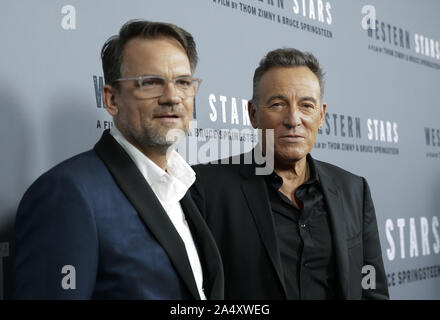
{"x":158,"y":56}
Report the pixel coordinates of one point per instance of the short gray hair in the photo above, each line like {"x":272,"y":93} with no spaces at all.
{"x":287,"y":57}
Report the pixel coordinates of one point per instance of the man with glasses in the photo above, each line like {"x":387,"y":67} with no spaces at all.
{"x":117,"y":222}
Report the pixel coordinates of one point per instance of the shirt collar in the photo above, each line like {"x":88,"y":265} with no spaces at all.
{"x":276,"y":181}
{"x":169,"y":185}
{"x":313,"y":176}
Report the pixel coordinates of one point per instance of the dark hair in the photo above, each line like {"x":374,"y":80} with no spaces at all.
{"x":287,"y":57}
{"x":112,"y":51}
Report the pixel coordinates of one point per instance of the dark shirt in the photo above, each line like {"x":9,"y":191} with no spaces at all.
{"x":304,"y":239}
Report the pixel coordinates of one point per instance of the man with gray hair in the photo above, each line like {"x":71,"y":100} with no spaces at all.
{"x":307,"y":230}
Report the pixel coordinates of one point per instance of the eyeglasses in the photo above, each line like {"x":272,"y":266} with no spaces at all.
{"x":154,"y":86}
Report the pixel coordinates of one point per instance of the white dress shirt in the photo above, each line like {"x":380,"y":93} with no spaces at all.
{"x":169,"y":187}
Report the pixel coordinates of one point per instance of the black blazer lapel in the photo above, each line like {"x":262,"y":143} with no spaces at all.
{"x":207,"y":249}
{"x":143,"y":199}
{"x":257,"y":197}
{"x":333,"y":199}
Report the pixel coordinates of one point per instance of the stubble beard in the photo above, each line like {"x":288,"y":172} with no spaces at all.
{"x":154,"y":138}
{"x":151,"y":137}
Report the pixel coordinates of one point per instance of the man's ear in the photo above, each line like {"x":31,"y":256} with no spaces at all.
{"x":109,"y":97}
{"x":252,"y":110}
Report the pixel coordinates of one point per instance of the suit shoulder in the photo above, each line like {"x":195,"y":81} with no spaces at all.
{"x":78,"y":163}
{"x":226,"y":169}
{"x":78,"y":169}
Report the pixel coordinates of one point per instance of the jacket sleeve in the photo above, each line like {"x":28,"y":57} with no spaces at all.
{"x":372,"y":249}
{"x":56,"y":246}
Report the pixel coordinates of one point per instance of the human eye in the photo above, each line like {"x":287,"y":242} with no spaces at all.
{"x":308,"y":105}
{"x":184,"y":82}
{"x":277,"y":104}
{"x":152,"y":82}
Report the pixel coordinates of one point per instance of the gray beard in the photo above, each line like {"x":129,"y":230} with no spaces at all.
{"x":150,"y":138}
{"x":153,"y":139}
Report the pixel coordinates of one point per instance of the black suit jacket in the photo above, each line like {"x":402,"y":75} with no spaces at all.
{"x":235,"y":203}
{"x":97,"y":213}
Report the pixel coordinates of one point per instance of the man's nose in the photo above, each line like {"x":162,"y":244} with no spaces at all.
{"x":293,"y":117}
{"x":170,"y":95}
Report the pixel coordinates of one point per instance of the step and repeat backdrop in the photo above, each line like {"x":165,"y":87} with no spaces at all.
{"x":382,"y":64}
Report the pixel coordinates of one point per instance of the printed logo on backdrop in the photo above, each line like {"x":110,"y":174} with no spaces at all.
{"x":347,"y":133}
{"x":399,"y":42}
{"x":410,"y":238}
{"x":235,"y":134}
{"x":104,"y":122}
{"x":312,"y":16}
{"x":230,"y":112}
{"x":432,"y":140}
{"x":413,"y":237}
